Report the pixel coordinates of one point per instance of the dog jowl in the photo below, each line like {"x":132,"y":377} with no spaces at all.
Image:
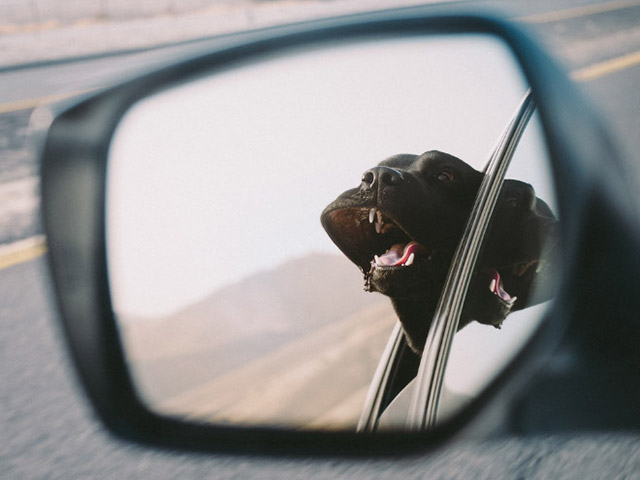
{"x":402,"y":224}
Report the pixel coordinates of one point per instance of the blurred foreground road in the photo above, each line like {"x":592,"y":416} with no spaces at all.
{"x":48,"y":429}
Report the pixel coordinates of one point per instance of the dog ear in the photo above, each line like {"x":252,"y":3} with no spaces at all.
{"x":541,"y":208}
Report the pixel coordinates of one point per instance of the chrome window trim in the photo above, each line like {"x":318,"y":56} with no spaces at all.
{"x":426,"y":398}
{"x":424,"y":405}
{"x":373,"y":406}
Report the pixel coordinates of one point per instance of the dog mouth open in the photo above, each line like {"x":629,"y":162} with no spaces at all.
{"x":371,"y":238}
{"x":396,"y":263}
{"x":401,"y":254}
{"x":395,"y":260}
{"x":496,"y":287}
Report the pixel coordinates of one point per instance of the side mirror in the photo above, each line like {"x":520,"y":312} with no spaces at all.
{"x":207,"y":306}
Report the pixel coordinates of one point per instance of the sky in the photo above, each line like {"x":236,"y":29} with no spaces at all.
{"x":226,"y":176}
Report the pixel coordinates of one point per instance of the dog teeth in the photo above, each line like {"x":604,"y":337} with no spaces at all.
{"x":376,"y":259}
{"x":410,"y":260}
{"x":379,"y":221}
{"x":497,"y":289}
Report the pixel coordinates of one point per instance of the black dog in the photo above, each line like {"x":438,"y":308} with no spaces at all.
{"x":403,"y":223}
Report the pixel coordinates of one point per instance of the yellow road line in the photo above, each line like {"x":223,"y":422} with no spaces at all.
{"x":578,"y":12}
{"x":601,"y":69}
{"x":22,"y":251}
{"x":12,"y":29}
{"x":32,"y":103}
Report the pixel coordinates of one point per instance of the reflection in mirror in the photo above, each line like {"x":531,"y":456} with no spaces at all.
{"x":235,"y":305}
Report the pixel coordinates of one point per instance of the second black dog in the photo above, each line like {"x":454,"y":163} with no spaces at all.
{"x":403,"y":223}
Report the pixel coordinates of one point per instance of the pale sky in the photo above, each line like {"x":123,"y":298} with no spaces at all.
{"x":197,"y":174}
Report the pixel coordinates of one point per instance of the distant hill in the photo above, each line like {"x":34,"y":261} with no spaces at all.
{"x":299,"y":294}
{"x":258,"y":312}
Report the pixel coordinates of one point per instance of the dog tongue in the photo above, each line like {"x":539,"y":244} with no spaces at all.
{"x":398,"y":254}
{"x":496,"y":287}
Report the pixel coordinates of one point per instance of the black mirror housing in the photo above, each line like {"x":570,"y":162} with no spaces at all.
{"x":533,"y":394}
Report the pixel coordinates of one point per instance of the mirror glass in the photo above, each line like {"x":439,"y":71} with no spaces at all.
{"x":234,"y":304}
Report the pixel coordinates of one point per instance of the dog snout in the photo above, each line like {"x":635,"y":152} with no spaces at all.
{"x":381,"y":177}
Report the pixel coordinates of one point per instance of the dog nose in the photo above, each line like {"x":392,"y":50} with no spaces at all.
{"x":383,"y":176}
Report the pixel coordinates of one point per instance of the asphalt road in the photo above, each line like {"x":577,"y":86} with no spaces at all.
{"x":48,"y":430}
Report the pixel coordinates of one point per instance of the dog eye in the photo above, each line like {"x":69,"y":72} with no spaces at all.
{"x":512,"y":202}
{"x":445,"y":176}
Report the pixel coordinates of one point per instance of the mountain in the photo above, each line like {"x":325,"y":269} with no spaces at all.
{"x":303,"y":325}
{"x":272,"y":306}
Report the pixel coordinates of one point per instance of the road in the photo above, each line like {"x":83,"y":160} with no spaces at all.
{"x":48,"y":428}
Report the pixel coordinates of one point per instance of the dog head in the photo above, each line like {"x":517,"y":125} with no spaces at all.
{"x":402,"y":224}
